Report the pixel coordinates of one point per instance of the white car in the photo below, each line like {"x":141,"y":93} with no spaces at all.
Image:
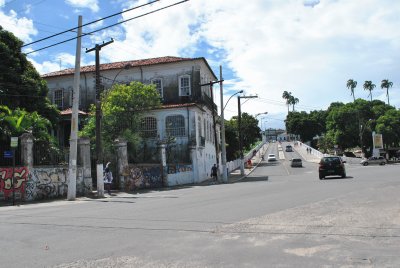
{"x":271,"y":158}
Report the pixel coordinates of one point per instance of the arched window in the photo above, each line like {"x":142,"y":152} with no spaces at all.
{"x":175,"y":126}
{"x":148,"y":127}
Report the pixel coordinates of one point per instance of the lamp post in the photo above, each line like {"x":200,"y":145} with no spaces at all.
{"x":262,"y":133}
{"x":240,"y":132}
{"x":223,"y":145}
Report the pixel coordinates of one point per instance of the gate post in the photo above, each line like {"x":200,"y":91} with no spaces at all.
{"x":84,"y":155}
{"x":27,"y":150}
{"x":121,"y":146}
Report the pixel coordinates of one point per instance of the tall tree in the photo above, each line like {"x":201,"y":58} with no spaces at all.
{"x":287,"y":96}
{"x":351,"y":84}
{"x":20,"y":84}
{"x":386,"y":84}
{"x":368,"y":85}
{"x":293,"y":102}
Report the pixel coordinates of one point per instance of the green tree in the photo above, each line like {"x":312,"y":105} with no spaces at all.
{"x":251,"y":133}
{"x":386,"y":84}
{"x":20,"y":84}
{"x":287,"y":96}
{"x":123,"y":107}
{"x":389,"y":126}
{"x":351,"y":84}
{"x":232,"y":139}
{"x":368,"y":85}
{"x":306,"y":125}
{"x":293,"y":102}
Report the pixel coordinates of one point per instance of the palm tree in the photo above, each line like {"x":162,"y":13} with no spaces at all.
{"x":287,"y":96}
{"x":293,"y":101}
{"x":351,"y":84}
{"x":386,"y":84}
{"x":369,"y":86}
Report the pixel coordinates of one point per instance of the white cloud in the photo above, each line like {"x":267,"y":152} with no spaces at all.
{"x":21,"y":27}
{"x":90,"y":4}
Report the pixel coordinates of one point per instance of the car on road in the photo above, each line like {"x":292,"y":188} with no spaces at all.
{"x":296,"y":162}
{"x":331,"y":166}
{"x":289,"y":148}
{"x":380,"y":160}
{"x":271,"y":158}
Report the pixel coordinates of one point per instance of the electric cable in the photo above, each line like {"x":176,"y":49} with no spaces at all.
{"x":112,"y":25}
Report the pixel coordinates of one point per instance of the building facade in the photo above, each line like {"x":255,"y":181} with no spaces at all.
{"x":188,"y":111}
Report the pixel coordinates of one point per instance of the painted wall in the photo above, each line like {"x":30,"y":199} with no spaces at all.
{"x":38,"y":183}
{"x":142,"y":177}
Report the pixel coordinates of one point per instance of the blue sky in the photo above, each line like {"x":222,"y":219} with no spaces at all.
{"x":308,"y":47}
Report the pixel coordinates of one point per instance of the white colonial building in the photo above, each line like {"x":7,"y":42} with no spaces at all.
{"x":186,"y":114}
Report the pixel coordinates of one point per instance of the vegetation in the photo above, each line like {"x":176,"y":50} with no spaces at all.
{"x":386,"y":84}
{"x":348,"y":125}
{"x":368,"y":85}
{"x":251,"y":133}
{"x":20,"y":84}
{"x":290,"y":99}
{"x":122,"y":108}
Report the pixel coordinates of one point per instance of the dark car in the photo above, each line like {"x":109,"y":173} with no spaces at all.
{"x":289,"y":148}
{"x":331,"y":166}
{"x":296,"y":162}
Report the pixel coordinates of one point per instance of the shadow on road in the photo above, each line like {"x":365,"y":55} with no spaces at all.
{"x":253,"y":179}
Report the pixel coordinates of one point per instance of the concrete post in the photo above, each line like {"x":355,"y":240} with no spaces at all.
{"x":193,"y":156}
{"x":84,"y":156}
{"x":27,"y":150}
{"x":121,"y":146}
{"x":163,"y":154}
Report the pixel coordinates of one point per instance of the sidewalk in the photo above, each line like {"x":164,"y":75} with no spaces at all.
{"x":235,"y":175}
{"x":313,"y":156}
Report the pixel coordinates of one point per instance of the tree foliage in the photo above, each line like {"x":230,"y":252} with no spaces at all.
{"x":20,"y":84}
{"x":122,"y":107}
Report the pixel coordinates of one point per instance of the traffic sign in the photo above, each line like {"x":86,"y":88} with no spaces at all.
{"x":8,"y":154}
{"x":14,"y":142}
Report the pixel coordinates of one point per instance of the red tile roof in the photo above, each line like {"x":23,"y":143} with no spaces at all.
{"x":122,"y":64}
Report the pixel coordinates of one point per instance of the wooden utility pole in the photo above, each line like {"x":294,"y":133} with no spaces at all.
{"x":99,"y":149}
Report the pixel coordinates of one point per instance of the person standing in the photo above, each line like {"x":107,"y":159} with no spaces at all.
{"x":214,"y":172}
{"x":108,"y":178}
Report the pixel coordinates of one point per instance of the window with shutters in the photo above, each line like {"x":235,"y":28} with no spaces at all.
{"x":58,"y":98}
{"x":159,"y":85}
{"x":184,"y":85}
{"x":148,"y":127}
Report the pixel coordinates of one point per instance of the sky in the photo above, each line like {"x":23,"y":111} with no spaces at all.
{"x":307,"y":47}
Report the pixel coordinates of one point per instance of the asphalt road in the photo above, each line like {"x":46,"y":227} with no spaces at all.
{"x":277,"y":217}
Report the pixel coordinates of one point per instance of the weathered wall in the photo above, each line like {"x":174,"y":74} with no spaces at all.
{"x":37,"y":183}
{"x":180,"y":174}
{"x":143,"y":176}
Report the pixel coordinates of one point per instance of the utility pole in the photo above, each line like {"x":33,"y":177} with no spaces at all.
{"x":211,"y":83}
{"x":73,"y":142}
{"x":99,"y":149}
{"x":240,"y":132}
{"x":223,"y":143}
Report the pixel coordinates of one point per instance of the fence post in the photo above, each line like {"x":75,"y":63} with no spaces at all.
{"x":193,"y":156}
{"x":27,"y":150}
{"x":84,"y":155}
{"x":122,"y":161}
{"x":163,"y":157}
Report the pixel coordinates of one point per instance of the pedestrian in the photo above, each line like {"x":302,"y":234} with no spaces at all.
{"x":108,"y":178}
{"x":214,"y":170}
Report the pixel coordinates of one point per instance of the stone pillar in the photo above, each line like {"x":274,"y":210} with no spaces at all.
{"x":195,"y":167}
{"x":122,"y":162}
{"x":84,"y":156}
{"x":27,"y":150}
{"x":164,"y":169}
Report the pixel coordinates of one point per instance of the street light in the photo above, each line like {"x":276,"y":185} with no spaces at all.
{"x":223,"y":145}
{"x":240,"y":132}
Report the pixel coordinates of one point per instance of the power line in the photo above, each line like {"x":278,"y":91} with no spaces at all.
{"x":112,"y":25}
{"x":86,"y":24}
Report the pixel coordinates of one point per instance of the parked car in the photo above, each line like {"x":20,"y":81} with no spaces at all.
{"x":331,"y":166}
{"x":289,"y":148}
{"x":380,"y":160}
{"x":271,"y":158}
{"x":296,"y":162}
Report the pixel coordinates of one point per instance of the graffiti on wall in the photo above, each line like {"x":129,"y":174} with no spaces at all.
{"x":46,"y":183}
{"x":20,"y":179}
{"x":172,"y":169}
{"x":143,"y":176}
